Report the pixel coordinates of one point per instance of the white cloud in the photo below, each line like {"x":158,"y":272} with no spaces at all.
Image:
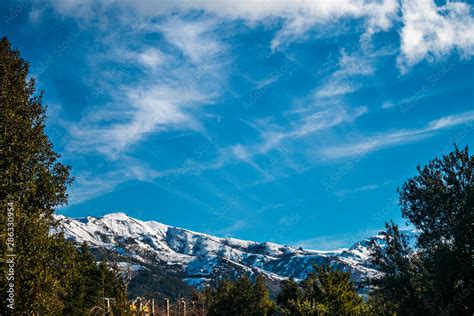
{"x":275,"y":137}
{"x":450,"y":121}
{"x":428,"y":31}
{"x":369,"y":187}
{"x":178,"y":82}
{"x":431,"y":31}
{"x":326,"y":118}
{"x":298,"y":16}
{"x":283,"y":139}
{"x":151,"y":57}
{"x":343,"y":80}
{"x":387,"y":105}
{"x":147,"y":109}
{"x":235,"y":227}
{"x":392,"y":138}
{"x":194,"y":38}
{"x":151,"y":102}
{"x":240,"y":152}
{"x":88,"y":185}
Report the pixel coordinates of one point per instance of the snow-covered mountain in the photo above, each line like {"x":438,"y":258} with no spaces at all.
{"x":200,"y":259}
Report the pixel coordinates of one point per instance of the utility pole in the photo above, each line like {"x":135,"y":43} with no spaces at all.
{"x":184,"y":306}
{"x":167,"y":307}
{"x":107,"y":302}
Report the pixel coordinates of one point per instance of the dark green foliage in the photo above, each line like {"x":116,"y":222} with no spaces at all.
{"x":324,"y":292}
{"x":34,"y":182}
{"x":92,"y":282}
{"x":398,"y":288}
{"x":335,"y":290}
{"x":290,"y":291}
{"x":377,"y":305}
{"x":439,"y":277}
{"x":158,"y":285}
{"x":304,"y":307}
{"x":241,"y":298}
{"x":261,"y":297}
{"x":50,"y":276}
{"x":439,"y":202}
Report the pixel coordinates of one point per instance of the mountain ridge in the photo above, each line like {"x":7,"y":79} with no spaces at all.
{"x":199,"y":258}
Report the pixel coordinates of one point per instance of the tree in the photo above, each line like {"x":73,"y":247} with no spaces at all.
{"x":289,"y":293}
{"x":325,"y":291}
{"x":397,"y":287}
{"x":335,"y":290}
{"x":438,"y":278}
{"x":439,"y":202}
{"x":261,"y":297}
{"x":46,"y":274}
{"x":304,"y":307}
{"x":91,"y":283}
{"x":241,"y":297}
{"x":33,"y":182}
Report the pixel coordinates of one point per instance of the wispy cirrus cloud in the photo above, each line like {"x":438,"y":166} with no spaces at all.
{"x":194,"y":39}
{"x":89,"y":185}
{"x":344,"y":79}
{"x":152,"y":106}
{"x":364,"y":188}
{"x":272,"y":135}
{"x":147,"y":109}
{"x":175,"y":56}
{"x":396,"y":137}
{"x":233,"y":228}
{"x":152,"y":103}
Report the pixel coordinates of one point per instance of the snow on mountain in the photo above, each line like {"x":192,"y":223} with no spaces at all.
{"x":201,"y":258}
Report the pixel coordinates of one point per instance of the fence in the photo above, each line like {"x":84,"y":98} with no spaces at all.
{"x":143,"y":307}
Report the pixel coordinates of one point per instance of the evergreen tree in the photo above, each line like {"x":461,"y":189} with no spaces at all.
{"x":33,"y":182}
{"x":241,"y":298}
{"x":439,"y":202}
{"x":289,"y":293}
{"x":378,"y":305}
{"x":304,"y":307}
{"x":50,"y":276}
{"x":261,"y":297}
{"x":324,"y":292}
{"x":91,"y":283}
{"x":398,"y":287}
{"x":335,"y":290}
{"x":439,"y":278}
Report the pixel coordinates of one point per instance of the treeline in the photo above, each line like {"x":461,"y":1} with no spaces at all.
{"x":41,"y":273}
{"x":324,"y":292}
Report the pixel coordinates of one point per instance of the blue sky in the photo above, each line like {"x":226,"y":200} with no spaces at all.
{"x":293,"y":122}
